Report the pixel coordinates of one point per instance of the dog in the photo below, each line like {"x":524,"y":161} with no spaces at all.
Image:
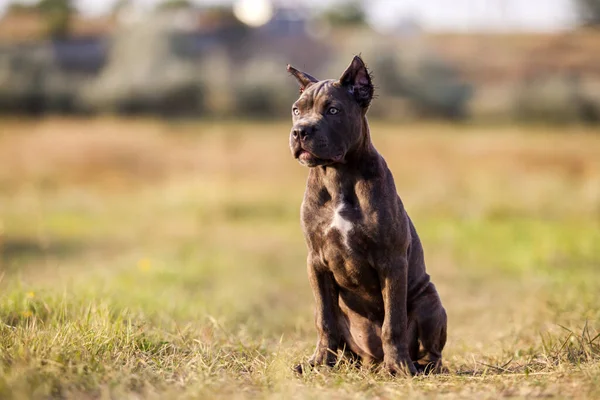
{"x":374,"y":298}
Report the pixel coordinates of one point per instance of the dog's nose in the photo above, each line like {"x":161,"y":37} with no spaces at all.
{"x":301,"y":132}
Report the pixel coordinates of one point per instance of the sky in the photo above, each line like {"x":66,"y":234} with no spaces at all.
{"x":435,"y":15}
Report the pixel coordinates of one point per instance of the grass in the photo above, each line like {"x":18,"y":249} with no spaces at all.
{"x":154,"y":260}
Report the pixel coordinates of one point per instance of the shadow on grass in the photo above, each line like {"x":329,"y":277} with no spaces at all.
{"x":23,"y":252}
{"x":28,"y":248}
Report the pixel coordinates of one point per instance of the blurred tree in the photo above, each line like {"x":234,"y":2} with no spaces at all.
{"x":432,"y":85}
{"x":120,"y":5}
{"x":17,"y":7}
{"x":166,"y":5}
{"x":57,"y":15}
{"x":589,"y":12}
{"x":351,"y":13}
{"x":223,"y":17}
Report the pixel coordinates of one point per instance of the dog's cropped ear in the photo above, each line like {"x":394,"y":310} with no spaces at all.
{"x":304,"y":79}
{"x":357,"y":80}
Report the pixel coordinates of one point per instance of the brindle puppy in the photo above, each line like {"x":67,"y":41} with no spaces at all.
{"x":365,"y":260}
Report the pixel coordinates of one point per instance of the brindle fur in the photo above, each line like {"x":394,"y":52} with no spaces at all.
{"x":365,"y":264}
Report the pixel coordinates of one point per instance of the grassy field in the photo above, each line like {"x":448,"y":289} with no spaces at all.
{"x":145,"y":259}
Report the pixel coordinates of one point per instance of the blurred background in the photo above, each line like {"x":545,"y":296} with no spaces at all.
{"x":488,"y":60}
{"x":149,"y":205}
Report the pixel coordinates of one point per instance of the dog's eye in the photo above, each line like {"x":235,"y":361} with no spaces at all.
{"x":333,"y":111}
{"x":296,"y":111}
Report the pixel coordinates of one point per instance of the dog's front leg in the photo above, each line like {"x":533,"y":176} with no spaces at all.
{"x":326,"y":312}
{"x":394,"y":332}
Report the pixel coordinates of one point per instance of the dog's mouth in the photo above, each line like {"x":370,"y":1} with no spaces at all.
{"x":305,"y":156}
{"x":308,"y":158}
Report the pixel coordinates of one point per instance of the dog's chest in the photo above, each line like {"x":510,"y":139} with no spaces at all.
{"x":332,"y":226}
{"x":340,"y":238}
{"x":336,"y":231}
{"x":342,"y":223}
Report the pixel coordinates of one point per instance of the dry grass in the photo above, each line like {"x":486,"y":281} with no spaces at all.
{"x":142,"y":258}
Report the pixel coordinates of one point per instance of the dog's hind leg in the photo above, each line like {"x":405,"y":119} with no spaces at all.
{"x":432,"y":325}
{"x":413,"y":338}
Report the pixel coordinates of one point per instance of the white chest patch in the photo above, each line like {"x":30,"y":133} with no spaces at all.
{"x":342,"y":225}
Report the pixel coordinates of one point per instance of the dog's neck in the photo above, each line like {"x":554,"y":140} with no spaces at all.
{"x":360,"y":163}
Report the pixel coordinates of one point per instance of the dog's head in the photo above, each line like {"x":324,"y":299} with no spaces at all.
{"x":328,"y":116}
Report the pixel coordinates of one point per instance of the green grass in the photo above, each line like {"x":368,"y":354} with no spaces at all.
{"x":180,"y":272}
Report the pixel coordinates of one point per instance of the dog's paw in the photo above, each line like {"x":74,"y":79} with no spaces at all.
{"x":323,"y":357}
{"x":301,"y":368}
{"x":400,"y":367}
{"x":308,"y":366}
{"x":431,"y":368}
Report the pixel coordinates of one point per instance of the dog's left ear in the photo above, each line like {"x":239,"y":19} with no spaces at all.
{"x":304,"y":79}
{"x":358,"y":81}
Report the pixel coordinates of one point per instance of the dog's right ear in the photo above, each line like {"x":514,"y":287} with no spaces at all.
{"x":304,"y":79}
{"x":357,"y":79}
